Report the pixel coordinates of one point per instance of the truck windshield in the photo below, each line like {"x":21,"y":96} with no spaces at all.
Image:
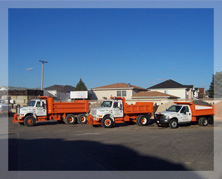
{"x":174,"y":108}
{"x":106,"y":104}
{"x":31,"y":103}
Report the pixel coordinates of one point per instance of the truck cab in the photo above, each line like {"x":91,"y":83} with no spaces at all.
{"x":174,"y":115}
{"x":36,"y":107}
{"x":112,"y":108}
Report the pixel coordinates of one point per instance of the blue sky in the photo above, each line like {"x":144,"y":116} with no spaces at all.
{"x":104,"y":46}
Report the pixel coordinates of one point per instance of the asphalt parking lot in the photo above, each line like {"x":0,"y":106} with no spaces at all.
{"x":52,"y":146}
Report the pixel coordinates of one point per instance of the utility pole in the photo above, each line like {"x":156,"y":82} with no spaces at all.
{"x":43,"y":62}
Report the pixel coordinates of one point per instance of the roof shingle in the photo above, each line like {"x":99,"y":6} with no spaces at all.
{"x":152,"y":94}
{"x":119,"y":86}
{"x":61,"y":88}
{"x":170,"y":84}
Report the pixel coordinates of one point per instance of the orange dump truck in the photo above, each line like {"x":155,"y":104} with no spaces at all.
{"x":116,"y":110}
{"x":45,"y":108}
{"x":186,"y":112}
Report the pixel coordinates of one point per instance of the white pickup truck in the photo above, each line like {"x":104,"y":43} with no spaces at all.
{"x":5,"y":109}
{"x":185,"y":112}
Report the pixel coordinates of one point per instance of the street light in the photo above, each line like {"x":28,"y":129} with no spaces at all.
{"x":43,"y":62}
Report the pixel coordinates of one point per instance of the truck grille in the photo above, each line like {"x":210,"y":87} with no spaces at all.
{"x":5,"y":108}
{"x":93,"y":112}
{"x":159,"y":116}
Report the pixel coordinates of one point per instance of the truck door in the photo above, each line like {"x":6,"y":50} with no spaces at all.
{"x":185,"y":114}
{"x":41,"y":108}
{"x":118,"y":108}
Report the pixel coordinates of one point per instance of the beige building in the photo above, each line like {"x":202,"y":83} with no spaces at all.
{"x":22,"y":97}
{"x":115,"y":90}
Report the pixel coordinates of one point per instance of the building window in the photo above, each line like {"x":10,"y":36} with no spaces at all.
{"x":121,"y":93}
{"x":118,"y":93}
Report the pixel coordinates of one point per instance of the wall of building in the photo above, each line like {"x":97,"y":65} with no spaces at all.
{"x":179,"y":92}
{"x":98,"y":95}
{"x":20,"y":100}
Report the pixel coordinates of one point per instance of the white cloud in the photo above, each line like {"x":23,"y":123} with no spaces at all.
{"x":29,"y":69}
{"x":160,"y":79}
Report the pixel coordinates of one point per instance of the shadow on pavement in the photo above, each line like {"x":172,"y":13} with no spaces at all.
{"x":58,"y":154}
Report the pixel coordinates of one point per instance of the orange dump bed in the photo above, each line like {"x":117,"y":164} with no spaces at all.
{"x":138,"y":108}
{"x":78,"y":106}
{"x":199,"y":110}
{"x":71,"y":107}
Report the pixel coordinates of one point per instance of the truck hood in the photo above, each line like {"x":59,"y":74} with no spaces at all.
{"x":101,"y":109}
{"x":167,"y":113}
{"x":26,"y":109}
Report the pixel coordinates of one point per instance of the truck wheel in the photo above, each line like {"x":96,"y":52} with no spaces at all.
{"x":29,"y":121}
{"x":70,"y":119}
{"x":173,"y":124}
{"x":138,"y":120}
{"x":107,"y":122}
{"x":143,"y":120}
{"x":204,"y":121}
{"x":200,"y":121}
{"x":82,"y":119}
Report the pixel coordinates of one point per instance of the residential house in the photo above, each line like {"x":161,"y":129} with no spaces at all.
{"x":61,"y":92}
{"x":201,"y":93}
{"x":174,"y":88}
{"x":115,"y":90}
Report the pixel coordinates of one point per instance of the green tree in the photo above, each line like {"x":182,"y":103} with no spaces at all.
{"x":81,"y":86}
{"x":218,"y":85}
{"x":211,"y":89}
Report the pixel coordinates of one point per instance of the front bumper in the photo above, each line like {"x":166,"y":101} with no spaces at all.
{"x":17,"y":118}
{"x":161,"y":119}
{"x":92,"y":121}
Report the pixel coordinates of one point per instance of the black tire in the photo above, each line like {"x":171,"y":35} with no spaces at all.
{"x":138,"y":120}
{"x":144,"y":120}
{"x":107,"y":122}
{"x":173,"y":124}
{"x":29,"y":121}
{"x":200,"y":121}
{"x":70,"y":119}
{"x":82,"y":119}
{"x":205,"y":121}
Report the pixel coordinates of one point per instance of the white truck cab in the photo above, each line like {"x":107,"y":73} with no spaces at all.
{"x":112,"y":108}
{"x":36,"y":107}
{"x":4,"y":109}
{"x":173,"y":115}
